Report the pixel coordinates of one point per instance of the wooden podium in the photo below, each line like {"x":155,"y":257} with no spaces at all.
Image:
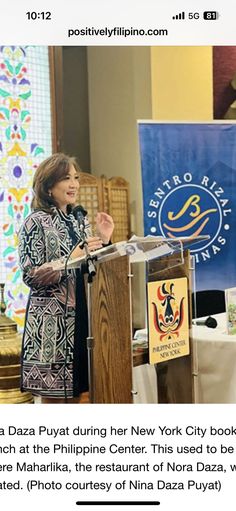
{"x":111,"y":318}
{"x":112,"y":331}
{"x":175,"y":379}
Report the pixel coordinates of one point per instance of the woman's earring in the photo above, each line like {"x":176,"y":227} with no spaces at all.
{"x":50,"y":193}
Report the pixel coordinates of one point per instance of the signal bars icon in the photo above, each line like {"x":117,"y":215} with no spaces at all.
{"x":179,"y":16}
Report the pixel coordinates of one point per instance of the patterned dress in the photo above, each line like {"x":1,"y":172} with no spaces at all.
{"x":54,"y":353}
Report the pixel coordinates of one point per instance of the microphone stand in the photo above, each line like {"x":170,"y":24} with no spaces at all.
{"x":90,"y":269}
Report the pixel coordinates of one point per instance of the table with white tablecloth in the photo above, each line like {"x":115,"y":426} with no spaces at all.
{"x":215,"y":363}
{"x":214,"y":367}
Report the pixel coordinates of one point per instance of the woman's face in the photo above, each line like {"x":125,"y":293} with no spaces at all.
{"x":65,"y":191}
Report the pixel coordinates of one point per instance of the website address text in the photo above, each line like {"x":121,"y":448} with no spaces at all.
{"x":117,"y":32}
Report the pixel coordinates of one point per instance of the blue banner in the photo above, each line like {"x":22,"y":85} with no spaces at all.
{"x":189,"y":189}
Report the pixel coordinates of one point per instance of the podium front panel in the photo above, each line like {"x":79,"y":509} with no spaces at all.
{"x":174,"y":377}
{"x":111,"y":329}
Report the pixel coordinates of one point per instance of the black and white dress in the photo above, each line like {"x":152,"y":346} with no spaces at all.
{"x":54,"y":353}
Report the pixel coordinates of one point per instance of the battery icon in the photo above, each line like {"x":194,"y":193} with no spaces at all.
{"x":210,"y":15}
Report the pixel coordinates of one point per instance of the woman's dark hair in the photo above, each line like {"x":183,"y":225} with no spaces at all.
{"x":49,"y":172}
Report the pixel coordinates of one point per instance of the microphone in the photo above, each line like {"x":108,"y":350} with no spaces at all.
{"x":209,"y":322}
{"x":80,"y":213}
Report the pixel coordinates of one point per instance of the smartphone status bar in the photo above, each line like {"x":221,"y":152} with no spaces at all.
{"x":136,"y":22}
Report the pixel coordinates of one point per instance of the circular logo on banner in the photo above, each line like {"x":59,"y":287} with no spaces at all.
{"x":190,"y":209}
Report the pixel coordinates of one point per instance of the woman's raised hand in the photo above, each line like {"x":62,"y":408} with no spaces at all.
{"x":104,"y":226}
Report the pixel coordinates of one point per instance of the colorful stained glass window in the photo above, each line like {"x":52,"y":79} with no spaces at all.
{"x":25,"y":140}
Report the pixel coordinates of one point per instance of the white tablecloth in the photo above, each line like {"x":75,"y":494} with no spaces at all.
{"x":214,"y":353}
{"x":215,"y":363}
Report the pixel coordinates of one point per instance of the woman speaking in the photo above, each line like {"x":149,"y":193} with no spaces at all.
{"x":54,"y":353}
